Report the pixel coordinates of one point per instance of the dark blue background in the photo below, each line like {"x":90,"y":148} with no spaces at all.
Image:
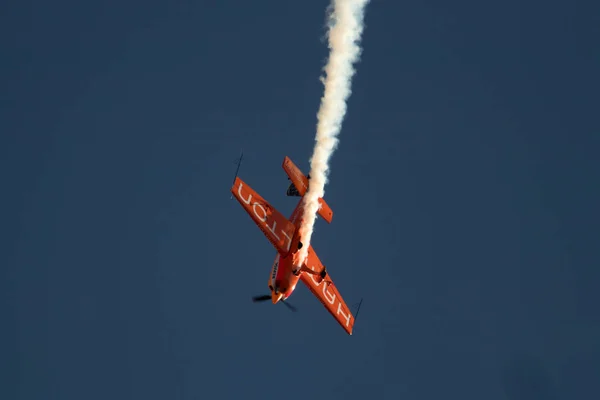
{"x":465,"y":193}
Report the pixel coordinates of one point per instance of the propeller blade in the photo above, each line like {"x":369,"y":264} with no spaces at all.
{"x":261,"y":298}
{"x":266,"y":297}
{"x":288,"y":305}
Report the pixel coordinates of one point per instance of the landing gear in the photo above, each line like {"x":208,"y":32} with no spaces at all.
{"x":292,"y":191}
{"x":323,"y":273}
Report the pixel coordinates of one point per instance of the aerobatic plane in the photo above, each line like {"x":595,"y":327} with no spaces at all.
{"x":284,"y":235}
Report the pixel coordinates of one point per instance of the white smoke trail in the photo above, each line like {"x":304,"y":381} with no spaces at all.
{"x":345,"y":29}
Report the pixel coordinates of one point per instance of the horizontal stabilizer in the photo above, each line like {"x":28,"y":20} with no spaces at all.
{"x":299,"y":187}
{"x":299,"y":180}
{"x":325,"y":211}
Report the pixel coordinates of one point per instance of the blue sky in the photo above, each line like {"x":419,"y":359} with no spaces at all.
{"x":464,"y":190}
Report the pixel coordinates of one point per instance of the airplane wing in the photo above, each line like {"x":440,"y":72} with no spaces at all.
{"x":277,"y":228}
{"x":327,"y":292}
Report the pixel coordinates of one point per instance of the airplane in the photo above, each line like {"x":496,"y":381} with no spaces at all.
{"x":284,"y":235}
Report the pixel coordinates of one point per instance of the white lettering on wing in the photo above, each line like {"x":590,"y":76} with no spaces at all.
{"x":330,"y":297}
{"x":272,"y":229}
{"x":262,"y":216}
{"x":289,"y":238}
{"x":242,"y":197}
{"x":264,"y":212}
{"x":347,"y":316}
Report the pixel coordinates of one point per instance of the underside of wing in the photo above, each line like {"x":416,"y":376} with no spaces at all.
{"x":327,"y":293}
{"x":277,"y":228}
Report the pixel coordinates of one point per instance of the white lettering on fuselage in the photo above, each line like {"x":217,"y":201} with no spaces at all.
{"x":330,"y":297}
{"x":274,"y":273}
{"x":261,"y":214}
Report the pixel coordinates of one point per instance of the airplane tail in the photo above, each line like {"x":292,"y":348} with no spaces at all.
{"x":299,"y":187}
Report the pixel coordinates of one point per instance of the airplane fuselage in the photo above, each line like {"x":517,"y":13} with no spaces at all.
{"x":283,"y":280}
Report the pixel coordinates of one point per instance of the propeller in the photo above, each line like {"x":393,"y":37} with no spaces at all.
{"x":266,"y":297}
{"x":288,"y":305}
{"x":261,"y":298}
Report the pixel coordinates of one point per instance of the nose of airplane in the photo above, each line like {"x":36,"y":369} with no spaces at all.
{"x":275,"y":297}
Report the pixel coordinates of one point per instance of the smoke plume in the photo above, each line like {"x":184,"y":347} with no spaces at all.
{"x":345,"y":29}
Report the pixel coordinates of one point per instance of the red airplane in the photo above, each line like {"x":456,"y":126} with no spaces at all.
{"x":284,"y":235}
